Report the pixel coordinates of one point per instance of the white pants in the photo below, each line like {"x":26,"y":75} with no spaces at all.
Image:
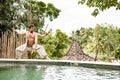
{"x":40,"y":50}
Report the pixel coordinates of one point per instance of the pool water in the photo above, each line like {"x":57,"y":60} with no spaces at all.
{"x":53,"y":72}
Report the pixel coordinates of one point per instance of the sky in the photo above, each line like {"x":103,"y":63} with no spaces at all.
{"x":74,"y":16}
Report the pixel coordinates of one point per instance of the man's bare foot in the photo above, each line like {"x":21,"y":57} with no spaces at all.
{"x":47,"y":58}
{"x":16,"y":58}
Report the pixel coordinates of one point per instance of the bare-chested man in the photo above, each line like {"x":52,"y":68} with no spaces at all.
{"x":31,"y":43}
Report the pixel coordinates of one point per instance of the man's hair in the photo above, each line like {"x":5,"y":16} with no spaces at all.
{"x":32,"y":25}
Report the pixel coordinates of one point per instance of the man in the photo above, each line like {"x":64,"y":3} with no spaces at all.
{"x":31,"y":43}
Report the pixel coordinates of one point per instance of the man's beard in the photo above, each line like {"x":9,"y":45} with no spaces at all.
{"x":31,"y":31}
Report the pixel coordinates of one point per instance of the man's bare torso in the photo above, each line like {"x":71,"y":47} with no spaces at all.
{"x":30,"y":39}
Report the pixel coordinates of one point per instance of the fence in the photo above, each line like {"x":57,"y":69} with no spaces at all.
{"x":8,"y":44}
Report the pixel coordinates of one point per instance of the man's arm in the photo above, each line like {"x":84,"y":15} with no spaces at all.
{"x":20,"y":32}
{"x":43,"y":35}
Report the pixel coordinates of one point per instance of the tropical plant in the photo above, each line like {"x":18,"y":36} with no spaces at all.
{"x":57,"y":45}
{"x":100,"y":5}
{"x":82,"y":35}
{"x":7,"y":14}
{"x":101,"y":40}
{"x":116,"y":53}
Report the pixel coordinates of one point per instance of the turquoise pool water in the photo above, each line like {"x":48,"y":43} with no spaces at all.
{"x":53,"y":72}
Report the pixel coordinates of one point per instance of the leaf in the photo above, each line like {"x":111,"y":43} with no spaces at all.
{"x":81,"y":1}
{"x":95,"y":12}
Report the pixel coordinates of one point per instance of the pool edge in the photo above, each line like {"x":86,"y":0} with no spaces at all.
{"x":101,"y":65}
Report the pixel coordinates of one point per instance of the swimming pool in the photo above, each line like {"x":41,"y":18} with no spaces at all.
{"x":23,"y":71}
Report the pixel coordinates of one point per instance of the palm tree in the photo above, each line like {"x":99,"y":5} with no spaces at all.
{"x":104,"y":40}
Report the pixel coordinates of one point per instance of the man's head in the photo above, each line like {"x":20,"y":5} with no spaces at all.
{"x":31,"y":28}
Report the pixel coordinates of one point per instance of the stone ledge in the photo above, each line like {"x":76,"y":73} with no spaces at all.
{"x":88,"y":64}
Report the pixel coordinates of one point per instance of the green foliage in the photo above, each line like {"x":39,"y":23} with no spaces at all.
{"x":116,"y":53}
{"x":100,"y":5}
{"x":57,"y":45}
{"x":33,"y":55}
{"x":52,"y":12}
{"x":82,"y":35}
{"x":7,"y":14}
{"x":104,"y":41}
{"x":21,"y":13}
{"x":62,"y":42}
{"x":39,"y":12}
{"x":101,"y":40}
{"x":104,"y":58}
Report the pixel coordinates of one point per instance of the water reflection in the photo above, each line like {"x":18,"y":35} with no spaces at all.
{"x":45,"y":72}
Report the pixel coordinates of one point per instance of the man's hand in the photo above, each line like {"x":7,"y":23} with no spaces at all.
{"x":46,"y":33}
{"x":49,"y":32}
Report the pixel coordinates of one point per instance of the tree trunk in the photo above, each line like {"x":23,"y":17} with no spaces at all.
{"x":29,"y":16}
{"x":96,"y":55}
{"x":97,"y":49}
{"x":0,"y":44}
{"x":7,"y":45}
{"x":3,"y":45}
{"x":14,"y":46}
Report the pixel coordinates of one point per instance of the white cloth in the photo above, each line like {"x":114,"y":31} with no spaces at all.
{"x":40,"y":49}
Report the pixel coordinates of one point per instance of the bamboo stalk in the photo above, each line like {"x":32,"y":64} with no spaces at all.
{"x":0,"y":44}
{"x":6,"y":45}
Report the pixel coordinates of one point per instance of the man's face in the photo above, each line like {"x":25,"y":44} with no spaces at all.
{"x":31,"y":29}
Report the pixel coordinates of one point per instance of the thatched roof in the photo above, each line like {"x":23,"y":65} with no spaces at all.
{"x":76,"y":53}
